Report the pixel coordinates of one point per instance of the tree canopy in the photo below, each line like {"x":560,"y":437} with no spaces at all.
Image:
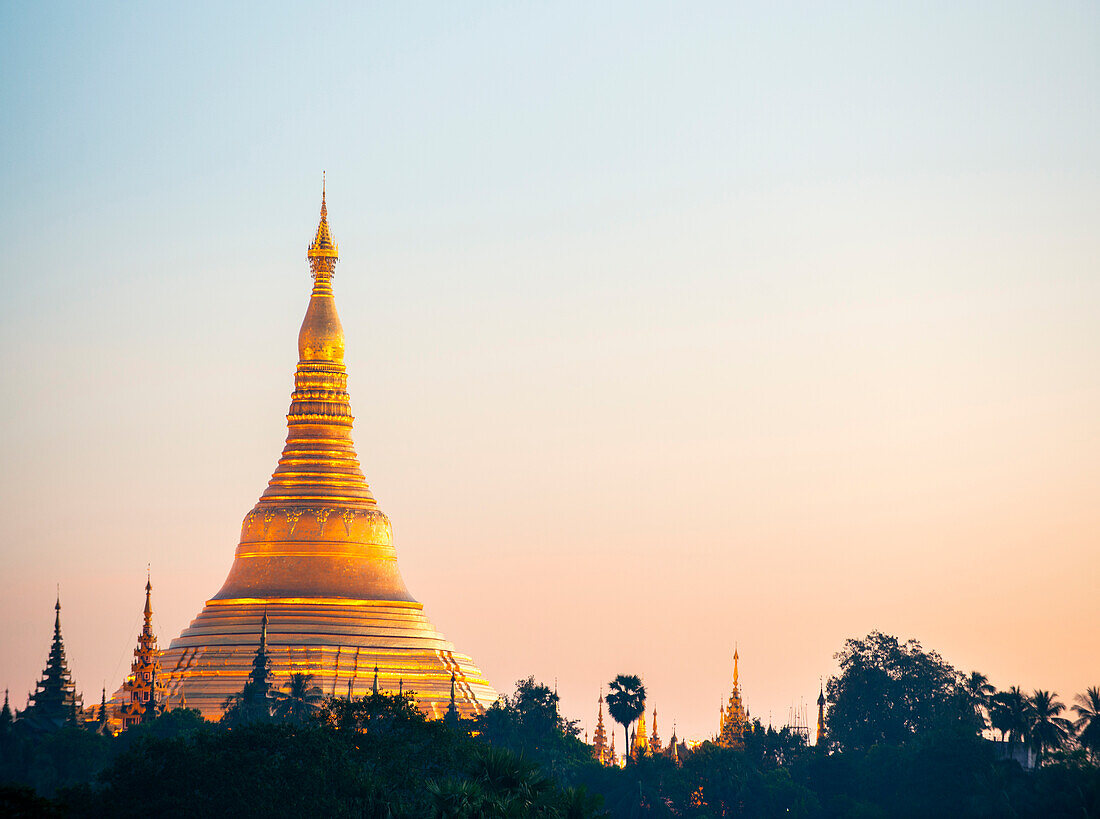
{"x":888,"y":691}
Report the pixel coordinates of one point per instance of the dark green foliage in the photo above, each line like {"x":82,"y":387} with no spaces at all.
{"x":771,"y":748}
{"x":379,"y":756}
{"x":47,"y":761}
{"x":625,"y":703}
{"x":529,"y":724}
{"x":888,"y":692}
{"x":298,"y":701}
{"x":1010,"y":713}
{"x":1087,"y":724}
{"x":21,"y":802}
{"x":374,"y":756}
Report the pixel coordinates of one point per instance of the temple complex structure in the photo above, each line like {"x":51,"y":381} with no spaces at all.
{"x":599,"y":740}
{"x":316,"y":553}
{"x":639,"y":742}
{"x":55,"y":701}
{"x":143,"y":690}
{"x":655,"y":746}
{"x":731,"y":733}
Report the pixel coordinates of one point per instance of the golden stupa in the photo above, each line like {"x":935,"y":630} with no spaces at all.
{"x":316,"y":554}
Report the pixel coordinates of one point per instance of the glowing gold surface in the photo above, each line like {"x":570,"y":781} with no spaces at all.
{"x":317,"y":554}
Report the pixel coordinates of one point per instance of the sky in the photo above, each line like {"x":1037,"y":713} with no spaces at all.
{"x":671,"y":327}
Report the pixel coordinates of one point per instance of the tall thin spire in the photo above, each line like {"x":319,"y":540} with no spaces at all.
{"x":734,"y":715}
{"x":6,"y":716}
{"x":142,"y":688}
{"x":820,"y":715}
{"x":323,"y":252}
{"x":374,"y":689}
{"x":452,"y":710}
{"x":55,"y":700}
{"x":599,"y":738}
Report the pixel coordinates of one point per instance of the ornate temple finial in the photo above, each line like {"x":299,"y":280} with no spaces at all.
{"x":263,"y":632}
{"x":599,"y":749}
{"x":323,"y":252}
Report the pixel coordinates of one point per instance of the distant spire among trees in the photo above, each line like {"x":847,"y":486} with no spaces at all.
{"x":142,"y":692}
{"x":734,"y":718}
{"x":7,"y":718}
{"x":55,"y":701}
{"x":253,"y":703}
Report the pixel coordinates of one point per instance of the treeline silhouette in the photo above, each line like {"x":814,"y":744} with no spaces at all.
{"x":906,"y":735}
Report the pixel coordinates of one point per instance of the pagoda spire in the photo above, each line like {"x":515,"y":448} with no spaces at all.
{"x":640,"y":745}
{"x":54,"y":700}
{"x":820,"y":716}
{"x":654,"y":739}
{"x":734,"y":718}
{"x":451,"y":716}
{"x":6,"y":715}
{"x":599,"y":738}
{"x":323,"y":252}
{"x":142,"y":688}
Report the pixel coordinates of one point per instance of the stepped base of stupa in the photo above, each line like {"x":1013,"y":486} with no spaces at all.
{"x":338,"y":641}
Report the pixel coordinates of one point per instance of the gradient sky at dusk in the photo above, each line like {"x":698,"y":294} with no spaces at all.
{"x":669,"y":325}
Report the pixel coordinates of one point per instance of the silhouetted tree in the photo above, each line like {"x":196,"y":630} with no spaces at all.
{"x":887,"y":692}
{"x":1048,"y":730}
{"x":1087,"y":709}
{"x":625,"y":703}
{"x":977,"y":692}
{"x":529,"y":723}
{"x":1011,"y":714}
{"x":299,"y":701}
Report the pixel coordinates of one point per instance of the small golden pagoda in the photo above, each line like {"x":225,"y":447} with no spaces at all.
{"x":655,"y":746}
{"x":316,"y":553}
{"x":734,"y":719}
{"x":639,"y":746}
{"x":143,"y":689}
{"x":599,"y":739}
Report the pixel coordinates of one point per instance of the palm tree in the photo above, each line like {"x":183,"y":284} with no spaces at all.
{"x":625,"y":703}
{"x":299,"y":701}
{"x":1011,"y":714}
{"x":978,"y":692}
{"x":1048,"y":730}
{"x":1088,"y":720}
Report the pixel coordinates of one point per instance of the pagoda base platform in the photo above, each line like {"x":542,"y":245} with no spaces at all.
{"x":337,"y":640}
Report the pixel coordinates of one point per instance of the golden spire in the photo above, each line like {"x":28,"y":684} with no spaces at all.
{"x":599,"y":739}
{"x":319,"y":463}
{"x":323,"y":252}
{"x":734,"y":716}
